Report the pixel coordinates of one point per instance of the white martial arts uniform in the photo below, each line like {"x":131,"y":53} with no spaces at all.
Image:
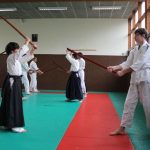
{"x":82,"y":74}
{"x":25,"y":80}
{"x":139,"y":61}
{"x":74,"y":63}
{"x":33,"y":76}
{"x":15,"y":60}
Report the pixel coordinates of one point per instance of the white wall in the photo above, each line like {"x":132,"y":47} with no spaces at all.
{"x":106,"y":36}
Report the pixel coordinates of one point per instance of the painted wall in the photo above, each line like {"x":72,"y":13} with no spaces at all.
{"x":106,"y":36}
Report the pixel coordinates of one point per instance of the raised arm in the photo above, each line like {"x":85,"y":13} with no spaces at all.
{"x":69,"y":57}
{"x":28,"y":56}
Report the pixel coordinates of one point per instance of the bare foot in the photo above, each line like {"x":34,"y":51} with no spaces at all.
{"x":120,"y":131}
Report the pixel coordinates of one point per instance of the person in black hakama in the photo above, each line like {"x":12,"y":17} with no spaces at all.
{"x":73,"y":88}
{"x":11,"y":109}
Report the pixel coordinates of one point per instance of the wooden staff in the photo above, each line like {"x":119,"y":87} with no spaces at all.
{"x":104,"y":67}
{"x":88,"y":59}
{"x":17,"y":31}
{"x":49,"y":70}
{"x":85,"y":50}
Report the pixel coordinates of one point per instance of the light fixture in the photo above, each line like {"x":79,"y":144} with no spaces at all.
{"x":106,"y":7}
{"x":52,"y":8}
{"x":8,"y":9}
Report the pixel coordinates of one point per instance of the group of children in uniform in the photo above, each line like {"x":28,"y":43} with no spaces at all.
{"x":137,"y":63}
{"x":11,"y":109}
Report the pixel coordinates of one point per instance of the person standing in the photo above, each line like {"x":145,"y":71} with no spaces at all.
{"x":34,"y":69}
{"x":138,"y":64}
{"x":73,"y":88}
{"x":11,"y":109}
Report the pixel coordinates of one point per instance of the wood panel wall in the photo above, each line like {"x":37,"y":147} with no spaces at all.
{"x":96,"y":78}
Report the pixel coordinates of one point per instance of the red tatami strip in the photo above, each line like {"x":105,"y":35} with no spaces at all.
{"x":89,"y":130}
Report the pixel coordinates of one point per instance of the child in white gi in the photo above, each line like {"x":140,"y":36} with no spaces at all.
{"x":33,"y":75}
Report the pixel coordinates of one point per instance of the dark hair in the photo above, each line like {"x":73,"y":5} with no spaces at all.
{"x":75,"y":56}
{"x":142,"y":32}
{"x":10,"y":47}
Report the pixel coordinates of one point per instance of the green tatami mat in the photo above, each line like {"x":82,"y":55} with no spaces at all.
{"x":139,"y":133}
{"x":47,"y":117}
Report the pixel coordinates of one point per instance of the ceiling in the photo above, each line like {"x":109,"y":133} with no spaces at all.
{"x":76,"y":9}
